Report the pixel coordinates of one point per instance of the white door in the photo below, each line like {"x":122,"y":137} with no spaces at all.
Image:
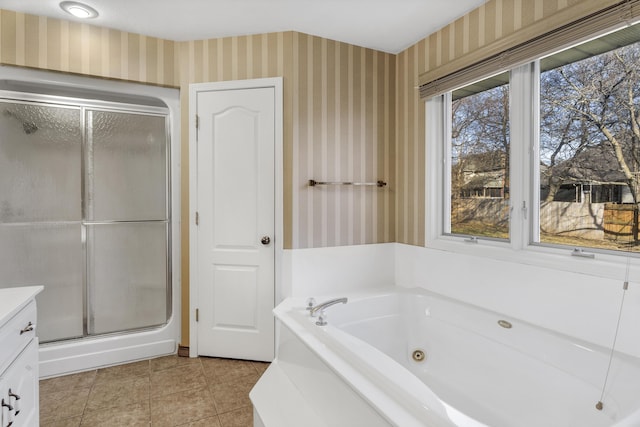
{"x":235,"y":231}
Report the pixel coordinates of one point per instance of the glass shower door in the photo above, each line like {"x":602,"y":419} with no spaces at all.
{"x":41,"y":211}
{"x":126,"y":220}
{"x":84,"y":211}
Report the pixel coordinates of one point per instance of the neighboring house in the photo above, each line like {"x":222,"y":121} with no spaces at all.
{"x":480,"y":175}
{"x":592,"y":175}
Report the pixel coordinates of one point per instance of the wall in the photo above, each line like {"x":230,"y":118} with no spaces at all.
{"x":52,"y":44}
{"x":410,"y":147}
{"x":343,"y":129}
{"x":338,"y":101}
{"x":572,"y":303}
{"x":338,"y":126}
{"x":486,"y":30}
{"x":232,"y":58}
{"x":578,"y":305}
{"x":350,"y":112}
{"x":316,"y":272}
{"x":338,"y":114}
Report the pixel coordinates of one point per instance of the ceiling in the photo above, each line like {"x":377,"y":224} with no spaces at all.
{"x":385,"y":25}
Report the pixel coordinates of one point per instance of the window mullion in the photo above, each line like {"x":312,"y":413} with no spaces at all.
{"x":521,"y":175}
{"x":446,"y":164}
{"x":533,"y":160}
{"x":437,"y":161}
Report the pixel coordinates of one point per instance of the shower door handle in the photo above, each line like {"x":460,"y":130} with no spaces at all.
{"x":265,"y":240}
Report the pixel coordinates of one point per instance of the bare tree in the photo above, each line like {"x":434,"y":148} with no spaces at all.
{"x":480,"y":134}
{"x":590,"y":103}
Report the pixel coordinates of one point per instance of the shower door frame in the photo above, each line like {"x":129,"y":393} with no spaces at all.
{"x":85,"y":106}
{"x":141,"y":110}
{"x":64,"y":357}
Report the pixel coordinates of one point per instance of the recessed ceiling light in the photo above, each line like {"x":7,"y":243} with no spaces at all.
{"x":79,"y":10}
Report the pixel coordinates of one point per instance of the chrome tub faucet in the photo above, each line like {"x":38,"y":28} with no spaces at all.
{"x":314,"y":309}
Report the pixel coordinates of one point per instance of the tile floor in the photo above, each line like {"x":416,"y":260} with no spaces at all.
{"x":167,"y":391}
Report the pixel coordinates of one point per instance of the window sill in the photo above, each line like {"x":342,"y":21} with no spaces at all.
{"x":608,"y":266}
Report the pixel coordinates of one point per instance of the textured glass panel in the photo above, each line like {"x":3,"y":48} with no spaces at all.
{"x":127,"y":276}
{"x":126,"y":166}
{"x":40,"y":158}
{"x":49,"y":255}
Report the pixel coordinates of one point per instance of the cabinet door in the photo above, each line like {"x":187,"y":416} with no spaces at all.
{"x":20,"y":389}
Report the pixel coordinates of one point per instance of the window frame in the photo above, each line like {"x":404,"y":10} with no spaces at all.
{"x":523,"y":245}
{"x":448,"y":124}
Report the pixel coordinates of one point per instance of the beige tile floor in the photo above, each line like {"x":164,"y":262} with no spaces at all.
{"x":167,"y":391}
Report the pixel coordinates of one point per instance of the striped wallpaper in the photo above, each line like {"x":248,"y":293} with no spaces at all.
{"x":338,"y":126}
{"x":498,"y":25}
{"x":52,"y":44}
{"x":410,"y":148}
{"x":232,"y":58}
{"x":342,"y":131}
{"x":339,"y":112}
{"x":480,"y":33}
{"x":350,"y":113}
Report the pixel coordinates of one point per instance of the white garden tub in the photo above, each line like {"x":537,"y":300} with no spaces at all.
{"x":359,"y":369}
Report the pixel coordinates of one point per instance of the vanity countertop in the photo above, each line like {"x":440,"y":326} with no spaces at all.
{"x":13,"y":299}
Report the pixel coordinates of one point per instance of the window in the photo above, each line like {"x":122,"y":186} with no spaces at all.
{"x":547,"y":153}
{"x":480,"y":159}
{"x":590,"y":143}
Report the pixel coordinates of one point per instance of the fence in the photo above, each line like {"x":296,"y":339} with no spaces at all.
{"x":597,"y":221}
{"x":621,"y":222}
{"x":584,"y":220}
{"x":490,"y":211}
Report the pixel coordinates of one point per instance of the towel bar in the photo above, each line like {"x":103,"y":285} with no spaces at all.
{"x":313,"y":183}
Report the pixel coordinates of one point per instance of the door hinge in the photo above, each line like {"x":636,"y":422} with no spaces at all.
{"x":197,"y":314}
{"x":197,"y":126}
{"x":197,"y":218}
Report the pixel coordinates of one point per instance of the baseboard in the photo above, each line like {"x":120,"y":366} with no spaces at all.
{"x":183,"y":351}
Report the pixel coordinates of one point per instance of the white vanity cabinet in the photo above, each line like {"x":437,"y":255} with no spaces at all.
{"x":18,"y":357}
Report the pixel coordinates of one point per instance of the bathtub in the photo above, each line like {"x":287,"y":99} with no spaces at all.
{"x":408,"y":357}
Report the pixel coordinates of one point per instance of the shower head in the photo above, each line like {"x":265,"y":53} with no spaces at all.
{"x":28,"y":126}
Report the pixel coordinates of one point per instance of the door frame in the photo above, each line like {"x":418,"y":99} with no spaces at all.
{"x":194,"y":89}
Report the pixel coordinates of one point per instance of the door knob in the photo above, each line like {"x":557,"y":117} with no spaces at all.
{"x":266,"y":240}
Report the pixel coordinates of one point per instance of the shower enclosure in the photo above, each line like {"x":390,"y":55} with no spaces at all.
{"x":85,"y":211}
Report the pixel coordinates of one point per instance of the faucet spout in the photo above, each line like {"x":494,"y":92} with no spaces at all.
{"x":326,"y":304}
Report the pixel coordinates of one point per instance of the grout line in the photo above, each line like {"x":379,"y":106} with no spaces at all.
{"x":86,"y":403}
{"x":149,"y":396}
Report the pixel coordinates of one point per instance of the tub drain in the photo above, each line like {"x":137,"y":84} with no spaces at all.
{"x":418,"y":355}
